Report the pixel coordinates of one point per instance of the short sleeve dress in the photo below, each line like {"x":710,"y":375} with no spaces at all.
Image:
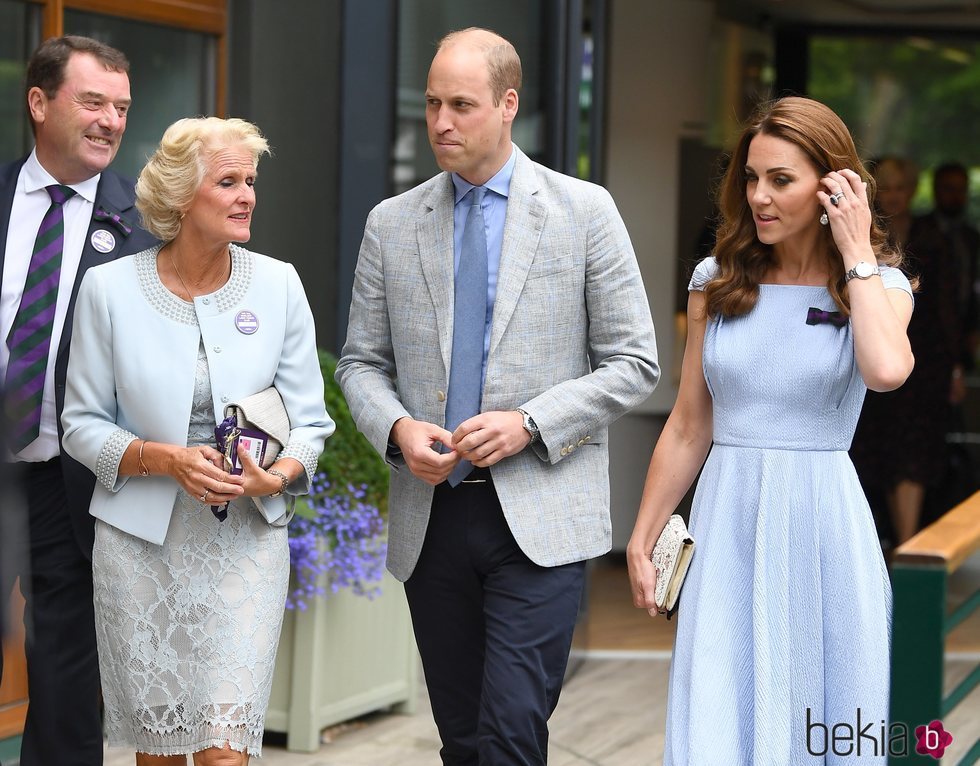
{"x":785,"y":614}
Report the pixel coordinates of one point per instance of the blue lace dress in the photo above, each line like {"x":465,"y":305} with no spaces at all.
{"x":785,"y":613}
{"x":188,"y":631}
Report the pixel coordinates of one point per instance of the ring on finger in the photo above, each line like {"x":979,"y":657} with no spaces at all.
{"x":836,"y":198}
{"x":204,"y":496}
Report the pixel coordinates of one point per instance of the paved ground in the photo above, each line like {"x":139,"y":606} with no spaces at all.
{"x":611,"y":714}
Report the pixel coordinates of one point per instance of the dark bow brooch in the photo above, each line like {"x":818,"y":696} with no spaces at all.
{"x":101,"y":214}
{"x":819,"y":316}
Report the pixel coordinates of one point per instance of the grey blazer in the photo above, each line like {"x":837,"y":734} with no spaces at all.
{"x":571,"y":342}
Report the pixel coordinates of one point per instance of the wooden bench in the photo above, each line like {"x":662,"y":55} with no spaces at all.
{"x":920,"y":571}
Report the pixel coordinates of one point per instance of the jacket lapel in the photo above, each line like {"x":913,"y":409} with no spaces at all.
{"x":435,"y":239}
{"x":522,"y":231}
{"x":113,"y":199}
{"x":8,"y":186}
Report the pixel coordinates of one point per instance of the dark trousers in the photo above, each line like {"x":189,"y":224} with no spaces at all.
{"x":493,"y":629}
{"x":63,"y":722}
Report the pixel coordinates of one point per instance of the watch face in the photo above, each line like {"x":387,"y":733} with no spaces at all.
{"x":863,"y":270}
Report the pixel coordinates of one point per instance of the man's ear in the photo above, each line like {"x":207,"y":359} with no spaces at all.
{"x":510,"y":100}
{"x":37,"y":104}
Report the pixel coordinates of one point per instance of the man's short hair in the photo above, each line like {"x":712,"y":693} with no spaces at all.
{"x":503,"y":63}
{"x":950,"y":169}
{"x":46,"y":68}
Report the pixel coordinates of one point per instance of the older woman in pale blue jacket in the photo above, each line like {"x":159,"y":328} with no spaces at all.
{"x":189,"y":608}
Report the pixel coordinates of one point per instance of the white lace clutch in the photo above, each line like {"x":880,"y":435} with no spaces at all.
{"x":671,"y":557}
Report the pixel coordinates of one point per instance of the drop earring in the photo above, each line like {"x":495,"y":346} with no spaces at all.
{"x":824,"y":220}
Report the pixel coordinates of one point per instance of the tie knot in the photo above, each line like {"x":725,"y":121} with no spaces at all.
{"x":59,"y":194}
{"x":478,"y":192}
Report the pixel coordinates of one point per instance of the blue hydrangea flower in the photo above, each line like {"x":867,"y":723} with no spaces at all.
{"x":339,"y":547}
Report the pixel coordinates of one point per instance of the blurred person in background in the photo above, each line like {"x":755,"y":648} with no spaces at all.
{"x":951,"y":194}
{"x":899,"y":447}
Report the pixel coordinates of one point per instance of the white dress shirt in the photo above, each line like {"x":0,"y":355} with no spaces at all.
{"x":30,"y":204}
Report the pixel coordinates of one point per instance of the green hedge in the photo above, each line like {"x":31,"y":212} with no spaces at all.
{"x":348,"y":458}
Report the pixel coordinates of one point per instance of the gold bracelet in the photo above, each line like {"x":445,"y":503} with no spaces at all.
{"x":140,"y":465}
{"x":282,"y":477}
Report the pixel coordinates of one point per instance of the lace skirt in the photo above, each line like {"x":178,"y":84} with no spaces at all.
{"x":188,"y":631}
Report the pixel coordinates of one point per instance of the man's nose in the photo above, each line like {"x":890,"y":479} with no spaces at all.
{"x":443,"y":121}
{"x":111,"y":118}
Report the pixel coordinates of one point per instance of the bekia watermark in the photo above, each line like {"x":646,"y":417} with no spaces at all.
{"x":870,"y":738}
{"x":933,"y":739}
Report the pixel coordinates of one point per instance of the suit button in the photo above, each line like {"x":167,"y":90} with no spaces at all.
{"x":205,"y":301}
{"x":224,"y":399}
{"x":564,"y":451}
{"x":441,"y":396}
{"x":217,"y":349}
{"x":571,"y":447}
{"x":587,"y":438}
{"x":581,"y":442}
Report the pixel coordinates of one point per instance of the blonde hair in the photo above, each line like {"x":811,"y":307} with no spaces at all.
{"x":904,"y":167}
{"x":173,"y":174}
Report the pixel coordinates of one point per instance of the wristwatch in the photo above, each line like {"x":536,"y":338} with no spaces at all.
{"x":530,"y":426}
{"x":862,"y":270}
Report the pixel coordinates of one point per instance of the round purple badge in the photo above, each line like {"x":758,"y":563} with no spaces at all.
{"x":103,"y":241}
{"x":246,"y":322}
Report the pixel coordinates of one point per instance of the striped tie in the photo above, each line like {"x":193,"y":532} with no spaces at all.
{"x":29,"y":340}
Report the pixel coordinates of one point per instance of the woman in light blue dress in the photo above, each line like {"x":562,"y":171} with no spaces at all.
{"x":783,"y":629}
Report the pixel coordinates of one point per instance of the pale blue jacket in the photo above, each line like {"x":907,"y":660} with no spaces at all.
{"x":132,"y":367}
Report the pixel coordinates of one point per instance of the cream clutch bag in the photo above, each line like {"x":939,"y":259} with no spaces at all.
{"x":262,"y":414}
{"x":671,"y":557}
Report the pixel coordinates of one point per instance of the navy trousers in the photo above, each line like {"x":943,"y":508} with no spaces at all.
{"x":63,"y":724}
{"x":493,"y":628}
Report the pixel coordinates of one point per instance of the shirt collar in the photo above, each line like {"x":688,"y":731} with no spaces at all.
{"x":36,"y":177}
{"x":500,"y":183}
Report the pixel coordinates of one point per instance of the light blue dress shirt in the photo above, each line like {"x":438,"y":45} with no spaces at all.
{"x":494,"y":215}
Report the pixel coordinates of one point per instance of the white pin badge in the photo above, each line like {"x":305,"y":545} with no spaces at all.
{"x":103,"y":241}
{"x":246,"y":322}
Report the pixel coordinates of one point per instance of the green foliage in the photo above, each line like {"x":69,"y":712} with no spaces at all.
{"x":349,"y":458}
{"x":918,"y":97}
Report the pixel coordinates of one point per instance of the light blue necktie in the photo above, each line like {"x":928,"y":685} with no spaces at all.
{"x":469,"y":323}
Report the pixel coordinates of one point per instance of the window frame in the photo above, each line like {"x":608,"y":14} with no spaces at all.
{"x":207,"y":16}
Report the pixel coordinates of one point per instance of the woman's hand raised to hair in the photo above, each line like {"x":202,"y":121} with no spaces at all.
{"x":850,"y":218}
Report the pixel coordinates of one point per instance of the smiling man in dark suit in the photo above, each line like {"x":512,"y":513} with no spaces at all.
{"x":61,"y":212}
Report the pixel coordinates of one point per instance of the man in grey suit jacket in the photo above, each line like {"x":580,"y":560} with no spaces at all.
{"x":491,"y":518}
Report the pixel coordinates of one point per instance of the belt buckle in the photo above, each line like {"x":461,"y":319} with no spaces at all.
{"x":477,"y":476}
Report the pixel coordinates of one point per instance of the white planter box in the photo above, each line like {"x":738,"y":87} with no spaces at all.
{"x":343,"y":657}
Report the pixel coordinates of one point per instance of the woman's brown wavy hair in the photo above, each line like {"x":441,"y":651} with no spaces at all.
{"x":742,"y":259}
